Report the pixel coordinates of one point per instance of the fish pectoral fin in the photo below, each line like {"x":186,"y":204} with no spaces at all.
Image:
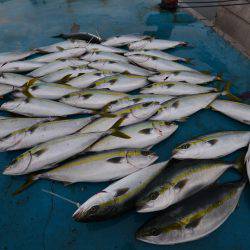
{"x":65,"y":78}
{"x":121,"y":191}
{"x":60,"y":48}
{"x":181,"y":184}
{"x":67,"y":183}
{"x":120,"y":134}
{"x":30,"y":180}
{"x":193,"y":223}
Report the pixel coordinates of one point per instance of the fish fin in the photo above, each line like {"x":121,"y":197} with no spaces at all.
{"x":118,"y":123}
{"x":228,"y":93}
{"x":181,"y":184}
{"x":41,"y":51}
{"x":193,"y":223}
{"x":183,"y":119}
{"x":120,"y":134}
{"x":148,"y":148}
{"x":176,"y":104}
{"x":58,"y":36}
{"x":67,"y":183}
{"x":33,"y":128}
{"x":30,"y":180}
{"x":115,"y":159}
{"x":188,"y":60}
{"x":26,"y":86}
{"x":121,"y":191}
{"x":206,"y":72}
{"x":60,"y":48}
{"x":145,"y":131}
{"x":106,"y":114}
{"x":39,"y":152}
{"x":212,"y":142}
{"x":65,"y":78}
{"x":75,"y":28}
{"x":219,"y":77}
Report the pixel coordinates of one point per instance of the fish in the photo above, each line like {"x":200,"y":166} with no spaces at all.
{"x":180,"y":108}
{"x":118,"y":197}
{"x":6,"y":89}
{"x":212,"y":146}
{"x":91,"y":98}
{"x":137,"y":113}
{"x":20,"y":66}
{"x":6,"y":57}
{"x":88,"y":37}
{"x":85,"y":80}
{"x":66,"y":74}
{"x":61,"y":46}
{"x":51,"y":91}
{"x":35,"y":107}
{"x":57,"y":65}
{"x":91,"y":47}
{"x":158,"y":64}
{"x":235,"y":110}
{"x":10,"y":124}
{"x":100,"y":167}
{"x":47,"y":154}
{"x":155,"y":44}
{"x":180,"y":180}
{"x":157,"y":54}
{"x":120,"y":67}
{"x":176,"y":89}
{"x":142,"y":135}
{"x":135,"y":99}
{"x":13,"y":79}
{"x":122,"y":40}
{"x":62,"y":54}
{"x":120,"y":83}
{"x":42,"y":132}
{"x":98,"y":56}
{"x":193,"y":77}
{"x":193,"y":218}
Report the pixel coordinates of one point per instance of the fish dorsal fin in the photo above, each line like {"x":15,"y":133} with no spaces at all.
{"x":121,"y":191}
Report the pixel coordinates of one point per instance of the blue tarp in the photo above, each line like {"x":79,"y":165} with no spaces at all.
{"x":34,"y":220}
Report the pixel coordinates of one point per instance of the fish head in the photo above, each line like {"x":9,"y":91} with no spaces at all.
{"x":19,"y":165}
{"x":98,"y":207}
{"x":7,"y":142}
{"x":163,"y":128}
{"x":13,"y":104}
{"x":141,"y":158}
{"x":193,"y":149}
{"x":160,"y":77}
{"x":156,"y":199}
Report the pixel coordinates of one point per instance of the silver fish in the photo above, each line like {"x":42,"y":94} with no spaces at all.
{"x":14,"y":56}
{"x":20,"y":66}
{"x":40,"y":107}
{"x":135,"y":99}
{"x":13,"y":79}
{"x":76,"y":52}
{"x":158,"y":54}
{"x":122,"y":40}
{"x":61,"y":46}
{"x":180,"y":180}
{"x":158,"y":64}
{"x":236,"y":110}
{"x":87,"y":79}
{"x":193,"y":218}
{"x":142,"y":135}
{"x":52,"y":91}
{"x":121,"y":83}
{"x":182,"y":107}
{"x":57,"y":65}
{"x":42,"y":132}
{"x":97,"y":56}
{"x":101,"y":48}
{"x":155,"y":44}
{"x":64,"y":75}
{"x":184,"y":76}
{"x":176,"y":89}
{"x":212,"y":146}
{"x":46,"y":155}
{"x":91,"y":98}
{"x":5,"y":89}
{"x":104,"y":166}
{"x":118,"y":197}
{"x":10,"y":124}
{"x":120,"y":67}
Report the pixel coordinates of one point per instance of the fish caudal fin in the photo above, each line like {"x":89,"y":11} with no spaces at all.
{"x":28,"y":183}
{"x":228,"y":93}
{"x":114,"y":130}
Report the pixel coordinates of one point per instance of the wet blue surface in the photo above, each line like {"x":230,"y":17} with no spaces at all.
{"x":34,"y":220}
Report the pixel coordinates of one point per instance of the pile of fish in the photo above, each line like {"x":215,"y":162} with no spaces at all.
{"x":69,"y":104}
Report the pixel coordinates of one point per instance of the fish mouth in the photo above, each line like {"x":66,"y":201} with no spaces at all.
{"x":11,"y":171}
{"x":78,"y":215}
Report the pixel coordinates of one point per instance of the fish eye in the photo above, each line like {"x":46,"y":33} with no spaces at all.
{"x":93,"y":209}
{"x":155,"y":231}
{"x":154,"y":195}
{"x":185,"y":146}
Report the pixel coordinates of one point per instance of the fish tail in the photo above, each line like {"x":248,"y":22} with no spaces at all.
{"x":58,"y":36}
{"x":114,"y":130}
{"x":228,"y":93}
{"x":31,"y":179}
{"x":25,"y":88}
